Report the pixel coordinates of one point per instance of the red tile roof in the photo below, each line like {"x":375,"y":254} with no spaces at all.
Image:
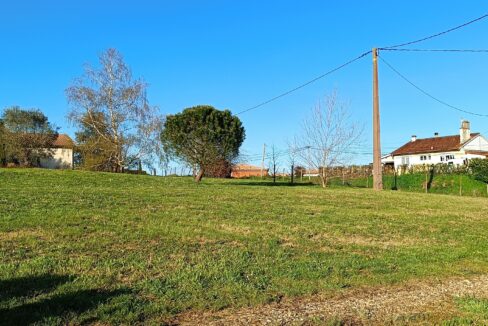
{"x":63,"y":141}
{"x":431,"y":145}
{"x":245,"y":167}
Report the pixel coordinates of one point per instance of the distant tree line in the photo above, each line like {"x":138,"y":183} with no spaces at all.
{"x":118,"y":131}
{"x":26,"y":137}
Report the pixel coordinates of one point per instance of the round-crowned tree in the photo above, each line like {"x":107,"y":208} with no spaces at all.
{"x":203,"y":136}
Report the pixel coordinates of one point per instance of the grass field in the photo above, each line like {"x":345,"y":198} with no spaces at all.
{"x":93,"y":247}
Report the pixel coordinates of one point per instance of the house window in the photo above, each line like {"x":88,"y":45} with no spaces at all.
{"x":425,"y":157}
{"x":405,"y":160}
{"x":449,"y":157}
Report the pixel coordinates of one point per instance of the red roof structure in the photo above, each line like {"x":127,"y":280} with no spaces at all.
{"x":247,"y":170}
{"x":432,"y":145}
{"x":63,"y":141}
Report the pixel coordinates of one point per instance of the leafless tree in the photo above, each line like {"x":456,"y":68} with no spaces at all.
{"x":292,"y":159}
{"x":327,"y":135}
{"x":273,"y":162}
{"x":132,"y":126}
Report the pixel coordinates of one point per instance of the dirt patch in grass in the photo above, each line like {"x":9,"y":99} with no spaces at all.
{"x":235,"y":229}
{"x":24,"y":233}
{"x":421,"y":302}
{"x":358,"y":240}
{"x":387,"y":243}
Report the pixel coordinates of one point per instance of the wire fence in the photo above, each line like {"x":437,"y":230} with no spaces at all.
{"x":440,"y":179}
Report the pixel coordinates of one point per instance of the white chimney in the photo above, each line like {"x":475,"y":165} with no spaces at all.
{"x":465,"y":131}
{"x":414,"y":138}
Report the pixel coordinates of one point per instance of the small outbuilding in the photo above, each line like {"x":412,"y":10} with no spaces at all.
{"x":246,"y":171}
{"x":61,"y":154}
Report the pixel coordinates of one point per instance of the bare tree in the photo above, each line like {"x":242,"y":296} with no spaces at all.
{"x":292,"y":159}
{"x":327,"y":134}
{"x":110,"y":95}
{"x":273,"y":162}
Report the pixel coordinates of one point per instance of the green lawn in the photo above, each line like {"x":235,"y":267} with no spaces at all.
{"x":95,"y":247}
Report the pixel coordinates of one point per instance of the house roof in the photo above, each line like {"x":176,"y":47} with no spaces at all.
{"x":246,"y":167}
{"x":63,"y":141}
{"x":483,"y":153}
{"x":432,"y":145}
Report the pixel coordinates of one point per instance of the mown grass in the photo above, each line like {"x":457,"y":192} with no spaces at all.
{"x":473,"y":311}
{"x":94,"y":247}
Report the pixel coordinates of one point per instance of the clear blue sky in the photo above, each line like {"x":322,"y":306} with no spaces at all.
{"x":235,"y":54}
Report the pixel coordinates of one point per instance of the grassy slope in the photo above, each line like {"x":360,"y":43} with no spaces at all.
{"x":126,"y":248}
{"x":447,"y":184}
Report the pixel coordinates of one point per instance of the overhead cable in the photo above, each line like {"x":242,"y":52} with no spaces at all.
{"x":428,"y":94}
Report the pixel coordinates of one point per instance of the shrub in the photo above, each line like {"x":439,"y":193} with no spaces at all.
{"x":479,"y":169}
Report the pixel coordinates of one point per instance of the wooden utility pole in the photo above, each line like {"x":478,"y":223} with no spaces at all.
{"x":377,"y":171}
{"x":262,"y":161}
{"x":292,"y":171}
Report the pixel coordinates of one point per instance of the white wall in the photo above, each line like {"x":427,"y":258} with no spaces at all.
{"x":62,"y":158}
{"x":435,"y":158}
{"x":477,"y":144}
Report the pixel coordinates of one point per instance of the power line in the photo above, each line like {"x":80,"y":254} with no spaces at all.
{"x":305,"y":84}
{"x":430,"y":95}
{"x":435,"y":50}
{"x":284,"y":152}
{"x":438,"y":34}
{"x":392,"y":47}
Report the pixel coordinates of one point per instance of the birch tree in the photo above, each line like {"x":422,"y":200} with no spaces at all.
{"x":109,"y":96}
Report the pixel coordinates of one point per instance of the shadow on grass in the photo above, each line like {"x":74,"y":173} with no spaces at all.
{"x":54,"y":306}
{"x":30,"y":286}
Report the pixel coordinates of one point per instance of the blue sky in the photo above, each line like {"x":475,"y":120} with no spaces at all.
{"x":235,"y":54}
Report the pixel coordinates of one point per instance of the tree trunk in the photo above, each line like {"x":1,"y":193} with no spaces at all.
{"x":199,"y":176}
{"x":323,"y":181}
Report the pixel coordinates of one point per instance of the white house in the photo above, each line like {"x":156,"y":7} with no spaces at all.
{"x":62,"y":154}
{"x":455,"y":149}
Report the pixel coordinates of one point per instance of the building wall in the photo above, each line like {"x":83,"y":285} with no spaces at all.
{"x":248,"y":173}
{"x":62,"y":158}
{"x":434,"y":158}
{"x":477,"y":144}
